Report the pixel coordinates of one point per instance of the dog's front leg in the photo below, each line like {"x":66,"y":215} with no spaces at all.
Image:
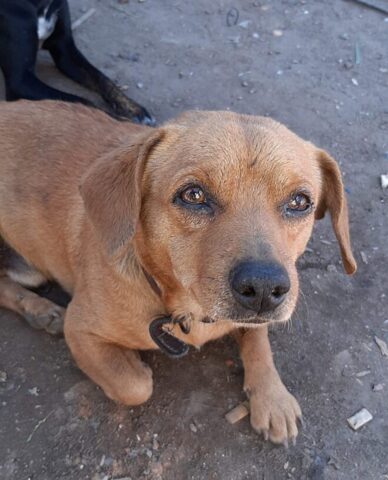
{"x":274,"y":411}
{"x":117,"y":370}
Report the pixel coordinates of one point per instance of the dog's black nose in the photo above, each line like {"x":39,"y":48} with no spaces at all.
{"x":259,"y":286}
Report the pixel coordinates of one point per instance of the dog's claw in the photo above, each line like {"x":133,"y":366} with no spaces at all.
{"x":301,"y":421}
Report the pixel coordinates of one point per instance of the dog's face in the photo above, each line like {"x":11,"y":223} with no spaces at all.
{"x":225,"y":205}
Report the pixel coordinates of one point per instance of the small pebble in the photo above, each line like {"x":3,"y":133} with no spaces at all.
{"x":277,"y":33}
{"x":378,"y":387}
{"x":244,"y":83}
{"x":384,"y":181}
{"x":193,"y":428}
{"x":140,"y":85}
{"x":354,"y":81}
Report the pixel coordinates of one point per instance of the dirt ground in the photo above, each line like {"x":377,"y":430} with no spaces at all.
{"x":321,"y":67}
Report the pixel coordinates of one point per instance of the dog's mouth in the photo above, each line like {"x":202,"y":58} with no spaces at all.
{"x":242,"y":321}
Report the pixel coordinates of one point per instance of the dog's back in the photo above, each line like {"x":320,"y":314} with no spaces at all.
{"x":44,"y":152}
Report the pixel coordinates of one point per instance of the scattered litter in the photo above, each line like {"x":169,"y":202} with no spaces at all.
{"x":38,"y":425}
{"x":140,"y":85}
{"x":363,"y":373}
{"x":238,"y":413}
{"x":83,"y":18}
{"x":244,"y":24}
{"x":277,"y":33}
{"x":355,"y":82}
{"x":378,"y":387}
{"x":379,"y":5}
{"x":255,"y":35}
{"x":232,"y":17}
{"x":382,"y":346}
{"x":360,"y":419}
{"x":33,"y":391}
{"x":325,"y":242}
{"x":364,"y":257}
{"x":384,"y":181}
{"x":357,"y":54}
{"x":3,"y":376}
{"x":244,"y":83}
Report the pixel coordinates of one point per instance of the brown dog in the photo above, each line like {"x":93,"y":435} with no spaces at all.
{"x":201,"y":219}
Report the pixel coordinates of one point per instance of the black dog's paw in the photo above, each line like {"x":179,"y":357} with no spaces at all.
{"x":144,"y":118}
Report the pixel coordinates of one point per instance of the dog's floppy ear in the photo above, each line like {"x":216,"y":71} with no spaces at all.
{"x":111,"y":189}
{"x":333,"y":198}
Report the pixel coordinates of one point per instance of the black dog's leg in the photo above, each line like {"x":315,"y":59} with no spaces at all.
{"x":72,"y":63}
{"x":18,"y":50}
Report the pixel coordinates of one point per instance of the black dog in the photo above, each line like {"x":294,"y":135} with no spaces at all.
{"x":25,"y":25}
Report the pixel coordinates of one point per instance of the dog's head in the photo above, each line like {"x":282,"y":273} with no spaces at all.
{"x":217,"y":208}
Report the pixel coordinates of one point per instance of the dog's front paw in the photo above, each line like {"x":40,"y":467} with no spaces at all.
{"x":274,"y":411}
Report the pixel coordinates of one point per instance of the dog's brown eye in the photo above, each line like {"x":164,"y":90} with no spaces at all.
{"x":193,"y":196}
{"x":298,"y":204}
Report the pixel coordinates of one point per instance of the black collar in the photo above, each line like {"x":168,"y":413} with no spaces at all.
{"x":169,"y":344}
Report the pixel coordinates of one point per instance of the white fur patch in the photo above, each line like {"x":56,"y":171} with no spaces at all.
{"x":46,"y":25}
{"x":31,"y":278}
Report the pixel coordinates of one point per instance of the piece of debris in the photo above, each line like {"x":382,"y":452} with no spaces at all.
{"x":384,"y":181}
{"x":363,"y":373}
{"x":378,"y":387}
{"x":140,"y":85}
{"x":33,"y":391}
{"x":364,"y":257}
{"x":355,"y":82}
{"x":244,"y":24}
{"x":238,"y":413}
{"x":360,"y":419}
{"x":277,"y":33}
{"x":244,"y":83}
{"x":3,"y":376}
{"x":38,"y":425}
{"x":382,"y":346}
{"x":83,"y":18}
{"x":232,"y":17}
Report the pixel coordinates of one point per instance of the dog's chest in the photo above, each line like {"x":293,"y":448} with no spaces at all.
{"x":47,"y":20}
